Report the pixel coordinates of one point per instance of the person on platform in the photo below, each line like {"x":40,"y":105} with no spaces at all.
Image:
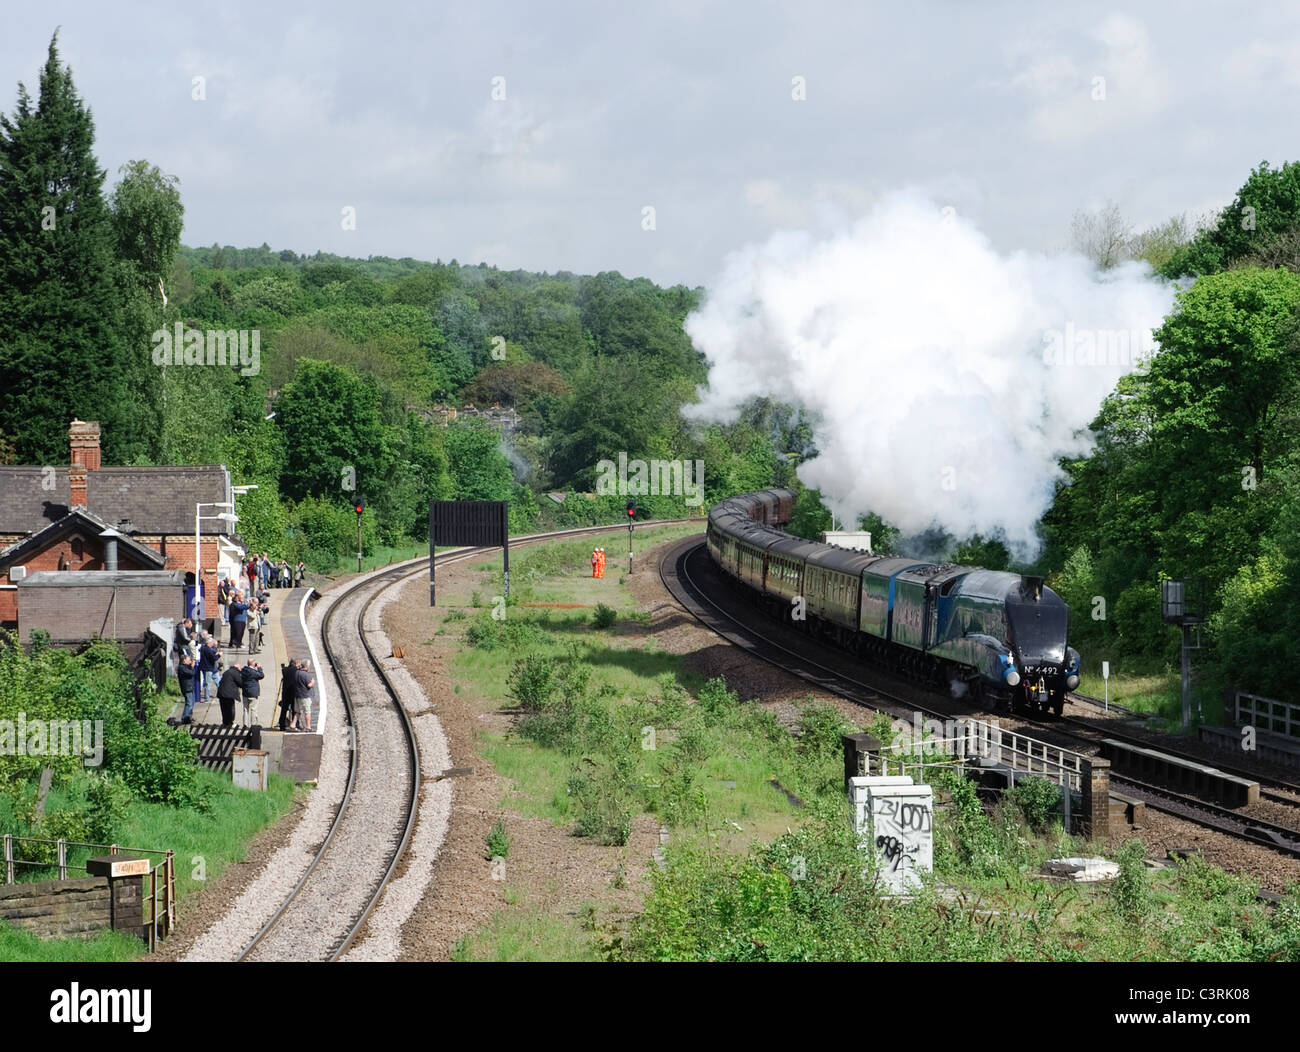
{"x":182,"y":637}
{"x":302,"y":698}
{"x":301,"y":572}
{"x":228,"y":691}
{"x":595,"y":562}
{"x":288,"y":689}
{"x":223,"y":599}
{"x":252,"y":674}
{"x":254,"y":627}
{"x":286,"y":575}
{"x":187,"y":680}
{"x":250,"y":571}
{"x":209,"y":655}
{"x":238,"y":620}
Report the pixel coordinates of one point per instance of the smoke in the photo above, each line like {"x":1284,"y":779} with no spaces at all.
{"x":946,"y":380}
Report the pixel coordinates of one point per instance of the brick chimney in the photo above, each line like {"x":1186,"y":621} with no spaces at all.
{"x":77,"y":484}
{"x":83,"y":437}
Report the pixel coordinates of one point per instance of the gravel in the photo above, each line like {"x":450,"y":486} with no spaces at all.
{"x":228,"y":934}
{"x":382,"y":935}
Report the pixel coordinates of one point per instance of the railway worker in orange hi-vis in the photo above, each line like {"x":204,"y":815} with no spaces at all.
{"x":600,"y":562}
{"x":595,"y":562}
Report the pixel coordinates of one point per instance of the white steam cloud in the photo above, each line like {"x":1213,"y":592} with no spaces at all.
{"x":947,"y":380}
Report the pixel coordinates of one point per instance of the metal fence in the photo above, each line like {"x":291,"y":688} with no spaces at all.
{"x":159,"y":914}
{"x":1268,"y":714}
{"x":967,"y":741}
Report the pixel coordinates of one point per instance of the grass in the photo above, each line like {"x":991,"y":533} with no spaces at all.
{"x":987,"y":886}
{"x":527,"y":934}
{"x":204,"y":846}
{"x":1147,"y":687}
{"x":16,"y":945}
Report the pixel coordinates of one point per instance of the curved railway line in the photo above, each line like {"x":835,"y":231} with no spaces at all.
{"x":336,"y":895}
{"x":681,"y":568}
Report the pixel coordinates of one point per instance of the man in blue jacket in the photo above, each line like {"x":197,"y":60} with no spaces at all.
{"x":238,"y":620}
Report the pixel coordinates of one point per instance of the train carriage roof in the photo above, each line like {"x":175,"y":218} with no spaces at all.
{"x":753,"y":534}
{"x":844,"y":560}
{"x":793,"y":547}
{"x":889,"y":567}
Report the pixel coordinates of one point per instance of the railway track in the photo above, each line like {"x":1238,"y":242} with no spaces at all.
{"x":679,"y":573}
{"x":330,"y":904}
{"x":326,"y":909}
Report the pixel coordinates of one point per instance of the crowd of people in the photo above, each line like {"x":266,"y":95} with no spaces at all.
{"x":202,"y":670}
{"x":262,"y":573}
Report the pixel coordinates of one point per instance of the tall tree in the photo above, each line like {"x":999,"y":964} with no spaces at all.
{"x":61,"y":348}
{"x":1103,"y":236}
{"x":1265,"y":209}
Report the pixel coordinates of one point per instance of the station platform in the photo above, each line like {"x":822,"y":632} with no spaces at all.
{"x":293,"y":754}
{"x":1179,"y":773}
{"x":1277,"y":749}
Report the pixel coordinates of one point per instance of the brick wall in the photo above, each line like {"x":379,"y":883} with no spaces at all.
{"x":180,"y":556}
{"x":72,"y":614}
{"x":86,"y":552}
{"x":73,"y":907}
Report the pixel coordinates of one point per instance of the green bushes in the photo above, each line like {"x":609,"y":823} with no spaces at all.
{"x":1038,"y":799}
{"x":498,"y":843}
{"x":603,"y":616}
{"x":1130,"y":891}
{"x":605,"y":798}
{"x":715,"y":700}
{"x":493,"y":633}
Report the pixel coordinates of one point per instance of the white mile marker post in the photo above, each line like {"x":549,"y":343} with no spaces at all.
{"x":1105,"y":679}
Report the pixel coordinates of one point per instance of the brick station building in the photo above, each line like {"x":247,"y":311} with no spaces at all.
{"x":87,"y":517}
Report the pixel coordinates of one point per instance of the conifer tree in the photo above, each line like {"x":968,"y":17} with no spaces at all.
{"x":61,"y":350}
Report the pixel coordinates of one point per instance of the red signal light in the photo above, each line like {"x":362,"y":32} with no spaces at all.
{"x":631,"y":508}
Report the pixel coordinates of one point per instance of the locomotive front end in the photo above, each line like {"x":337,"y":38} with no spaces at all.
{"x":1042,"y":666}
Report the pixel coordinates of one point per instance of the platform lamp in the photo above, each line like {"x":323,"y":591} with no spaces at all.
{"x":196,"y":608}
{"x":238,"y":491}
{"x":1182,"y":603}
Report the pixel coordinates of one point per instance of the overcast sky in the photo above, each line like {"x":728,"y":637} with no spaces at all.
{"x":685,"y":107}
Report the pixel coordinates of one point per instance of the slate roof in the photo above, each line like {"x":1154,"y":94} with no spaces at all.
{"x":154,"y":500}
{"x":35,"y":542}
{"x":103,"y":579}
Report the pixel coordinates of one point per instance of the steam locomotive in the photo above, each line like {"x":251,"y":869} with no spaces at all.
{"x":998,"y":637}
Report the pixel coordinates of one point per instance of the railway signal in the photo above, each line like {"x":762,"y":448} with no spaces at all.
{"x":359,"y":506}
{"x":631,"y":516}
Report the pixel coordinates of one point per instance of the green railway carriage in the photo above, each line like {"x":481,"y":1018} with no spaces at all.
{"x":1000,"y":634}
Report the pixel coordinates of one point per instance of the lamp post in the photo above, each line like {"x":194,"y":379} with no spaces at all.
{"x":197,"y":609}
{"x":238,"y":491}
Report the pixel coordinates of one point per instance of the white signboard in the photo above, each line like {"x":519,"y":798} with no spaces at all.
{"x":895,"y":819}
{"x":1105,"y":670}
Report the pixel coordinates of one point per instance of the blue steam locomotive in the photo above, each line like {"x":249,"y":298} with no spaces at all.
{"x":998,"y":637}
